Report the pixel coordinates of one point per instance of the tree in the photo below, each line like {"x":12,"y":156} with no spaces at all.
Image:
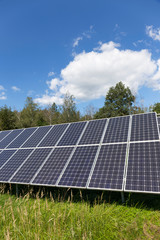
{"x":118,"y":102}
{"x":7,"y":118}
{"x":69,"y":112}
{"x":156,"y":108}
{"x":29,"y":112}
{"x":52,"y":114}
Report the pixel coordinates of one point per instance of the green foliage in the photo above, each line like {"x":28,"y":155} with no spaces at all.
{"x":156,"y":108}
{"x":69,"y":112}
{"x":52,"y":114}
{"x":7,"y":118}
{"x":118,"y":102}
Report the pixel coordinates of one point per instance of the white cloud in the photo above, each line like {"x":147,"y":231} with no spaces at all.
{"x":50,"y":74}
{"x":76,"y":41}
{"x":16,"y":89}
{"x":3,"y":96}
{"x":152,"y":32}
{"x":1,"y":88}
{"x":90,"y":75}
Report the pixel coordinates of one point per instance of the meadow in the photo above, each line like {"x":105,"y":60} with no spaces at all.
{"x":74,"y":214}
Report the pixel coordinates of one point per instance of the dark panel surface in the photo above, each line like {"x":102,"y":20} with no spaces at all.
{"x":158,"y":120}
{"x":10,"y":138}
{"x":5,"y":155}
{"x":51,"y":170}
{"x":109,"y":168}
{"x":13,"y":164}
{"x":143,"y":172}
{"x":72,"y":134}
{"x":3,"y":134}
{"x":36,"y":137}
{"x":144,"y":127}
{"x":117,"y":130}
{"x":53,"y":136}
{"x":93,"y":132}
{"x":78,"y":169}
{"x":30,"y":167}
{"x":22,"y":138}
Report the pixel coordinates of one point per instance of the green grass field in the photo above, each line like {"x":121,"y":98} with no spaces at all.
{"x":79,"y":215}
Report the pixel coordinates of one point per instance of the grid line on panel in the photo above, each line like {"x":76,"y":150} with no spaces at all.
{"x":93,"y":132}
{"x":10,"y":137}
{"x":13,"y":164}
{"x":97,"y":154}
{"x":19,"y":140}
{"x":143,"y":167}
{"x":74,"y":149}
{"x":26,"y":172}
{"x":117,"y":130}
{"x":4,"y":134}
{"x":157,"y":125}
{"x":36,"y":137}
{"x":5,"y":155}
{"x":109,"y":168}
{"x":144,"y":127}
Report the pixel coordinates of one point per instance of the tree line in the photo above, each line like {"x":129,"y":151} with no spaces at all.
{"x":119,"y":101}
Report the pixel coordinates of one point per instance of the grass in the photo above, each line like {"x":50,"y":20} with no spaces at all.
{"x":70,"y":215}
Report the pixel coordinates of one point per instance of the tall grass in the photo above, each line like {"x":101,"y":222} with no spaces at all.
{"x":61,"y":217}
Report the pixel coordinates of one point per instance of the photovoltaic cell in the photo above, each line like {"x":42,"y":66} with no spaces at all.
{"x":36,"y":137}
{"x":21,"y":138}
{"x":72,"y":134}
{"x":117,"y":130}
{"x":143,"y":172}
{"x":144,"y":127}
{"x":13,"y":164}
{"x":109,"y":168}
{"x":9,"y":138}
{"x":51,"y":170}
{"x":158,"y":120}
{"x":53,"y":136}
{"x":30,"y":167}
{"x":93,"y":132}
{"x":79,"y":167}
{"x":3,"y":134}
{"x":5,"y":155}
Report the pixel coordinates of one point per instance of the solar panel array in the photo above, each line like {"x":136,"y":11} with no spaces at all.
{"x":120,"y":154}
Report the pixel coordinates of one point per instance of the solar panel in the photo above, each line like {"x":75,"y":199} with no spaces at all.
{"x":13,"y":164}
{"x":53,"y":136}
{"x":109,"y":168}
{"x":117,"y":130}
{"x":158,"y":118}
{"x":5,"y":155}
{"x":31,"y":166}
{"x":72,"y":134}
{"x":50,"y":172}
{"x":143,"y":173}
{"x":93,"y":132}
{"x":10,"y":138}
{"x":144,"y":127}
{"x":4,"y":134}
{"x":21,"y":138}
{"x":37,"y":136}
{"x":79,"y":167}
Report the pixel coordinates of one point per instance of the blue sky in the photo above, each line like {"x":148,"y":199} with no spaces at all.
{"x":48,"y":48}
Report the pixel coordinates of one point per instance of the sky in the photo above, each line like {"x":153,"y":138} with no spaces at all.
{"x":50,"y":48}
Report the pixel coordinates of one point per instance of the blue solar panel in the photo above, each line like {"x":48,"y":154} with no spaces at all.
{"x":109,"y":168}
{"x":3,"y":134}
{"x":72,"y":134}
{"x":158,"y":120}
{"x":30,"y":167}
{"x":143,"y":173}
{"x":21,"y":138}
{"x":117,"y":130}
{"x":144,"y":127}
{"x":5,"y":155}
{"x":93,"y":132}
{"x":79,"y":167}
{"x":53,"y":136}
{"x":37,"y":136}
{"x":10,"y":138}
{"x":13,"y":164}
{"x":53,"y":167}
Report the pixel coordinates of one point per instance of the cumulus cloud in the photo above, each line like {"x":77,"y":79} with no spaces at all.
{"x":16,"y":89}
{"x":50,"y":74}
{"x":152,"y":32}
{"x":91,"y":74}
{"x":2,"y":93}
